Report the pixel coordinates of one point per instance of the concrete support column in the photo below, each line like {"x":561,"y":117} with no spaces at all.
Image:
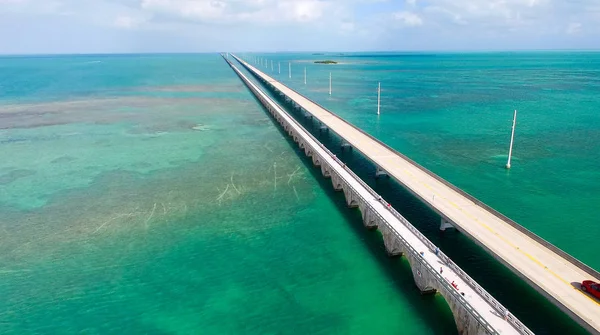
{"x":316,"y":160}
{"x":392,"y":243}
{"x":423,"y":278}
{"x":351,"y":198}
{"x":337,"y":182}
{"x":466,"y":323}
{"x":370,"y":219}
{"x":325,"y":170}
{"x":445,"y":224}
{"x":379,"y":172}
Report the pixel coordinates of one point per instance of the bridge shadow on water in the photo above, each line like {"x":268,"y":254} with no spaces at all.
{"x":531,"y":307}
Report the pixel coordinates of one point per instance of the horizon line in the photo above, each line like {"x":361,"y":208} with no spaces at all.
{"x":292,"y":52}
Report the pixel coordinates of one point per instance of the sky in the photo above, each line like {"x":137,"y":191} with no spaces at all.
{"x":136,"y":26}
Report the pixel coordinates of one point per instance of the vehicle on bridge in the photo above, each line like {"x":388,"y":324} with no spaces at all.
{"x":592,"y":287}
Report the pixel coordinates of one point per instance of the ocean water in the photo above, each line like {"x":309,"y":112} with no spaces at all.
{"x":152,"y":194}
{"x":453,"y":113}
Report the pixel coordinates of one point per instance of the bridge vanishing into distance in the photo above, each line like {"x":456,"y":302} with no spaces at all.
{"x":548,"y":269}
{"x":475,"y":311}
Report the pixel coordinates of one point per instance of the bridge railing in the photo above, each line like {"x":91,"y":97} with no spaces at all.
{"x":514,"y":321}
{"x":589,"y":270}
{"x":463,"y":275}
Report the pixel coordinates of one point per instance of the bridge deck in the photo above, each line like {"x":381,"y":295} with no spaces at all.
{"x":471,"y":297}
{"x":550,"y":273}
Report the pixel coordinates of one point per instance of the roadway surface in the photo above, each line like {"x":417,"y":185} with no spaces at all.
{"x":551,"y":274}
{"x":474,"y":299}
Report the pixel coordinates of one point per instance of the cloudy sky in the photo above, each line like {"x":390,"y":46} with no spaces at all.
{"x":107,"y":26}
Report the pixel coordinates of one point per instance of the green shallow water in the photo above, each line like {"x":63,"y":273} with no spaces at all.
{"x":143,"y":204}
{"x":452,"y":113}
{"x":152,"y":194}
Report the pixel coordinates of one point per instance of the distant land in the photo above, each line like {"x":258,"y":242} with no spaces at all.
{"x":325,"y":62}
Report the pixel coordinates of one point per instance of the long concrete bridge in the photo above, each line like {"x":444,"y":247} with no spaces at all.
{"x":475,"y":311}
{"x":548,"y":269}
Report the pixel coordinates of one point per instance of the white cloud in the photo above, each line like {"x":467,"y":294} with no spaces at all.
{"x":491,"y":11}
{"x":202,"y":10}
{"x":299,"y":24}
{"x":242,"y":11}
{"x":408,"y":19}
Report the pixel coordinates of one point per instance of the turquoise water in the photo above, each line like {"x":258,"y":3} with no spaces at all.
{"x":152,"y":194}
{"x":452,"y":113}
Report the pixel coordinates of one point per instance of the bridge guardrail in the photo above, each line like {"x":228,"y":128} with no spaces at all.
{"x":589,"y":270}
{"x":472,"y":283}
{"x":447,"y":260}
{"x":463,"y":275}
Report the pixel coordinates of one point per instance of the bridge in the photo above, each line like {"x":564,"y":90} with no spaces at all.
{"x":475,"y":311}
{"x":548,"y":269}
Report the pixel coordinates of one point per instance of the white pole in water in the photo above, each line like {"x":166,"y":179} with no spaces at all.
{"x":329,"y":83}
{"x":378,"y":98}
{"x":279,"y":67}
{"x":305,"y":75}
{"x":512,"y":139}
{"x":290,"y":70}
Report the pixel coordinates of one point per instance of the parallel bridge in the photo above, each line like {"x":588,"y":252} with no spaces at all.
{"x":548,"y":269}
{"x":475,"y":311}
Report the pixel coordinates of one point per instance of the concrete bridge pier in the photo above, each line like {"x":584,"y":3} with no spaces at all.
{"x":400,"y":238}
{"x":316,"y":160}
{"x":305,"y":147}
{"x":325,"y":170}
{"x":308,"y":151}
{"x":424,"y":279}
{"x":466,"y":321}
{"x":352,"y":199}
{"x":337,"y":182}
{"x":346,"y":145}
{"x":393,"y":245}
{"x":290,"y":132}
{"x":380,"y":172}
{"x":370,"y":219}
{"x":445,"y":224}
